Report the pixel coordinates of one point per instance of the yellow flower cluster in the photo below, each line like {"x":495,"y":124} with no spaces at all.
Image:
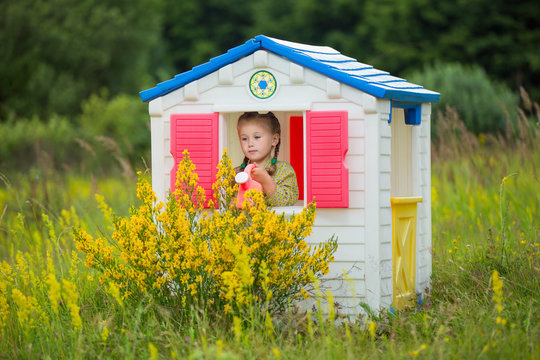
{"x":19,"y":306}
{"x":498,"y":296}
{"x":187,"y":252}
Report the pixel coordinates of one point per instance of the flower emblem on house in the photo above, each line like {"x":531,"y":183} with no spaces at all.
{"x":262,"y":84}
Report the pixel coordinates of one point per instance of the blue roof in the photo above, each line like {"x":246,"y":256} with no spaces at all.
{"x":322,"y":59}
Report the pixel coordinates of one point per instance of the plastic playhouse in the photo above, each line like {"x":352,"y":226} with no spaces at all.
{"x":357,"y":137}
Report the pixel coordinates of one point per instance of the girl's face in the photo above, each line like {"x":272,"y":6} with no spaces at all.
{"x":257,"y":141}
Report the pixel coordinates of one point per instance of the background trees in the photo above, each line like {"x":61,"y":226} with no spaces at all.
{"x":56,"y":53}
{"x":58,"y":56}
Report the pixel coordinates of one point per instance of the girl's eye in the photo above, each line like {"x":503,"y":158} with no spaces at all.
{"x":257,"y":137}
{"x":244,"y":139}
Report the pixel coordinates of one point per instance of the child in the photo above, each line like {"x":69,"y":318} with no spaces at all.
{"x":259,"y":136}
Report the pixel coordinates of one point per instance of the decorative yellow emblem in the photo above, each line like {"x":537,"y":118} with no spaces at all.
{"x":262,"y":84}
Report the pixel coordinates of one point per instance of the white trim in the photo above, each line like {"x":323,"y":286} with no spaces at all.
{"x":372,"y":213}
{"x":155,"y":107}
{"x":191,"y":92}
{"x":157,"y":136}
{"x":260,"y":59}
{"x":296,"y":73}
{"x":222,"y":135}
{"x":259,"y":107}
{"x":225,"y":75}
{"x":333,"y":89}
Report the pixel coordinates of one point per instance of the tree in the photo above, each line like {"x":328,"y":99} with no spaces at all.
{"x":56,"y":53}
{"x":196,"y":31}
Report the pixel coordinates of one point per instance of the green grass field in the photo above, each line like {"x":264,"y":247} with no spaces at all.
{"x":486,"y":217}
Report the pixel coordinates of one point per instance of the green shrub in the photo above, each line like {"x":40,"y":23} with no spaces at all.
{"x":484,"y":105}
{"x":110,"y":134}
{"x":123,"y":118}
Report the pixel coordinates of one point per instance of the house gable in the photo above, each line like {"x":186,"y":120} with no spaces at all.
{"x":227,"y":90}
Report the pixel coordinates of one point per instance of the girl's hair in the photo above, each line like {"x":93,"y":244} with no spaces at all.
{"x":272,"y":123}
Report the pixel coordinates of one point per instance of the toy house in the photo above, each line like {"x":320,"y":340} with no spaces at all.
{"x":357,"y":137}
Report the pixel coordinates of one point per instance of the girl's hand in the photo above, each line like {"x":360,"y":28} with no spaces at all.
{"x":260,"y":175}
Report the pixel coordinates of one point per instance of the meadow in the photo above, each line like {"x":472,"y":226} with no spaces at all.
{"x":484,"y":300}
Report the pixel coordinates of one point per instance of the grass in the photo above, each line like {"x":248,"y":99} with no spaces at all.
{"x":485,"y":217}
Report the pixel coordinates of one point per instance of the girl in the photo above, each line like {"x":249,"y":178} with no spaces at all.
{"x":259,"y":136}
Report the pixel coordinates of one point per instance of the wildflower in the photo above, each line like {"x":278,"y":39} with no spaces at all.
{"x":372,"y":327}
{"x":74,"y":268}
{"x":309,"y":324}
{"x":54,"y":292}
{"x":72,"y":297}
{"x":497,"y":286}
{"x":50,"y":226}
{"x":105,"y":333}
{"x":331,"y":309}
{"x":153,"y":351}
{"x":269,"y":325}
{"x":276,"y":353}
{"x":219,"y":346}
{"x":416,"y":352}
{"x":25,"y":307}
{"x":23,"y":270}
{"x":237,"y":327}
{"x":4,"y":305}
{"x":115,"y":292}
{"x":348,"y":333}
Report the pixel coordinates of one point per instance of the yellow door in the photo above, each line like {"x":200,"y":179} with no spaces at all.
{"x":404,"y":213}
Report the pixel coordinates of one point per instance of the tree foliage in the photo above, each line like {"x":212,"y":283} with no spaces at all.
{"x":55,"y":53}
{"x":484,"y":106}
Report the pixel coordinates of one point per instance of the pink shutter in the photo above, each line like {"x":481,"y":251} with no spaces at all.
{"x":326,"y":145}
{"x":198,"y":133}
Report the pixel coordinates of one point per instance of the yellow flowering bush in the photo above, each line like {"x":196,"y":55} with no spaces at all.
{"x":218,"y":258}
